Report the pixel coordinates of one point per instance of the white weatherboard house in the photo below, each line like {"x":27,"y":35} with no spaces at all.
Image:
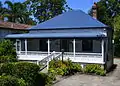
{"x":83,"y":38}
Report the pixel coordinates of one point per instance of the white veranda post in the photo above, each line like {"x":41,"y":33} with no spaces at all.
{"x":18,"y":45}
{"x":74,"y":47}
{"x":102,"y":45}
{"x":48,"y":47}
{"x":26,"y":46}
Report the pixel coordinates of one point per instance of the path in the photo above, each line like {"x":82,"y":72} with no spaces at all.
{"x":113,"y":79}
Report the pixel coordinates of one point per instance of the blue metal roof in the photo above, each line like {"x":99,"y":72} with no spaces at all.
{"x":71,"y":19}
{"x":58,"y":35}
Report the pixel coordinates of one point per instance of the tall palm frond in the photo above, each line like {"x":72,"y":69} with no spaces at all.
{"x":17,"y":12}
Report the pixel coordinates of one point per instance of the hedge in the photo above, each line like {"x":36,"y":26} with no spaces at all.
{"x":64,"y":68}
{"x":7,"y":48}
{"x":94,"y":68}
{"x":6,"y":59}
{"x":44,"y":80}
{"x":11,"y":81}
{"x":24,"y":70}
{"x":57,"y":67}
{"x":7,"y":51}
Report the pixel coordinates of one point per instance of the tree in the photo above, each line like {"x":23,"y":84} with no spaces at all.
{"x":2,"y":11}
{"x":116,"y":25}
{"x":17,"y":12}
{"x":46,"y":9}
{"x":109,"y":14}
{"x":108,"y":10}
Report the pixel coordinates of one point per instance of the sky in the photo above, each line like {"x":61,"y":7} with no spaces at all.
{"x":83,"y":5}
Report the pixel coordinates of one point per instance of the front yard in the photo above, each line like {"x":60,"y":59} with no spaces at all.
{"x":17,"y":73}
{"x":112,"y":79}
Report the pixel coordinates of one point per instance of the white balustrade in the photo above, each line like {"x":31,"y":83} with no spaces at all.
{"x":79,"y":57}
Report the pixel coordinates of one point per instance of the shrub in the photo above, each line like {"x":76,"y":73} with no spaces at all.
{"x":52,"y":73}
{"x":94,"y":68}
{"x":43,"y":80}
{"x":24,"y":70}
{"x":11,"y":81}
{"x":6,"y":59}
{"x":27,"y":71}
{"x":67,"y":68}
{"x":7,"y":48}
{"x":7,"y":69}
{"x":57,"y":67}
{"x":76,"y":67}
{"x":64,"y":68}
{"x":101,"y":72}
{"x":7,"y":51}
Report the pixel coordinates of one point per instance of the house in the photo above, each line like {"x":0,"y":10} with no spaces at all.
{"x":11,"y":28}
{"x":83,"y":38}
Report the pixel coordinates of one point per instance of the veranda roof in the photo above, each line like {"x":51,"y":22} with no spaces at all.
{"x":59,"y":35}
{"x":72,"y":19}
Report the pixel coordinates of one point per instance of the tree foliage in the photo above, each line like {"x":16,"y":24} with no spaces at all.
{"x":116,"y":25}
{"x":32,"y":11}
{"x":109,"y":14}
{"x":2,"y":11}
{"x":108,"y":10}
{"x":17,"y":12}
{"x":46,"y":9}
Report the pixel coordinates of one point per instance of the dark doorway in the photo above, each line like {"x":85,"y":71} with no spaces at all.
{"x":87,"y":45}
{"x":43,"y":45}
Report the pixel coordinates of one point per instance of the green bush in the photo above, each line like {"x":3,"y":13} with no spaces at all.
{"x":67,"y":68}
{"x":101,"y":72}
{"x":57,"y":67}
{"x":27,"y":71}
{"x":76,"y":67}
{"x":6,"y":59}
{"x":7,"y":69}
{"x":24,"y":70}
{"x":52,"y":73}
{"x":44,"y":80}
{"x":7,"y":48}
{"x":11,"y":81}
{"x":94,"y":68}
{"x":63,"y":68}
{"x":7,"y":51}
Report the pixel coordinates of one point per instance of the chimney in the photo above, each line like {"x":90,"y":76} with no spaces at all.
{"x":94,"y":10}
